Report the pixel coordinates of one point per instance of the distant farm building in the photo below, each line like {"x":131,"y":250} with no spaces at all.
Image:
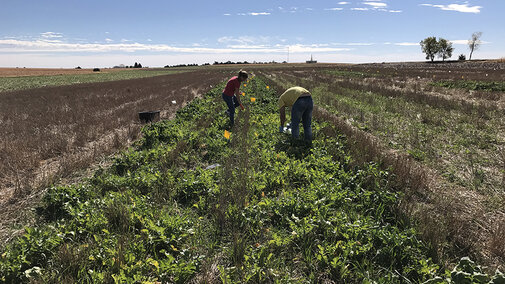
{"x":311,"y":60}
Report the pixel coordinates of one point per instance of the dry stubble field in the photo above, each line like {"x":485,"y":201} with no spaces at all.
{"x":17,"y":72}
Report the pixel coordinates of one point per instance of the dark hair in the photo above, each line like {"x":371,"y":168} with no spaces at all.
{"x":242,"y":74}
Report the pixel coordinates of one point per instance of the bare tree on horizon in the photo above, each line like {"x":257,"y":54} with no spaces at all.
{"x":474,"y":43}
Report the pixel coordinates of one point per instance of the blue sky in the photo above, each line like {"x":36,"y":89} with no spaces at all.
{"x":92,"y":33}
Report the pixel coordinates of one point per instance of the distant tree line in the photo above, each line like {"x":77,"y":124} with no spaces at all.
{"x":229,"y":62}
{"x":245,"y":62}
{"x":136,"y":65}
{"x":223,"y":63}
{"x":182,"y":65}
{"x":442,"y":48}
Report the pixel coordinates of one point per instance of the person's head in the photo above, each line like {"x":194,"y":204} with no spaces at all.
{"x":242,"y":76}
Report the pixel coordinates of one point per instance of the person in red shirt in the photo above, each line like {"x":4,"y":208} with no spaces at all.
{"x":231,"y":94}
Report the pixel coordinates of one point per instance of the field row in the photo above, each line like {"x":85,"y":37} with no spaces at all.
{"x":55,"y":131}
{"x":463,"y":143}
{"x":31,"y":82}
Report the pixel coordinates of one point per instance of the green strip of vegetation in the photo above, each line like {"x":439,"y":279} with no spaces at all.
{"x":472,"y":85}
{"x":461,"y":145}
{"x":351,"y":74}
{"x":187,"y":204}
{"x":31,"y":82}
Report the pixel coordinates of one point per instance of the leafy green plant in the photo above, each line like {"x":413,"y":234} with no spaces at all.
{"x":466,"y":271}
{"x":472,"y":85}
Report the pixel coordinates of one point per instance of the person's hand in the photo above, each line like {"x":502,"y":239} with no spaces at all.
{"x":281,"y":129}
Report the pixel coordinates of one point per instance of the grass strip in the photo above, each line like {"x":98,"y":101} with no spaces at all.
{"x":31,"y":82}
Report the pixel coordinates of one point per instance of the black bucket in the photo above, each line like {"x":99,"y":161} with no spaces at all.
{"x":149,"y":116}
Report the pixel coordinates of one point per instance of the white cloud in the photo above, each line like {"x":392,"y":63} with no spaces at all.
{"x":253,"y":14}
{"x":406,"y":43}
{"x":463,"y":8}
{"x":291,"y":9}
{"x":359,"y":9}
{"x":51,"y":35}
{"x":395,"y":11}
{"x":153,"y":60}
{"x":315,"y":48}
{"x":376,"y":4}
{"x":334,"y":9}
{"x":243,"y":46}
{"x":258,"y":13}
{"x":109,"y":40}
{"x":459,"y":41}
{"x":343,"y":3}
{"x":226,"y":14}
{"x":465,"y":42}
{"x":244,"y":39}
{"x":38,"y":46}
{"x":355,"y":43}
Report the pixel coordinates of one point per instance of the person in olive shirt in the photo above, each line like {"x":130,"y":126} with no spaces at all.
{"x":300,"y":101}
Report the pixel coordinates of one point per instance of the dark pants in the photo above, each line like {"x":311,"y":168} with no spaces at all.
{"x":302,"y":110}
{"x":232,"y":103}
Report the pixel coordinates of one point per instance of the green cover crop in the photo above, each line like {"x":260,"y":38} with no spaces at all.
{"x":273,"y":210}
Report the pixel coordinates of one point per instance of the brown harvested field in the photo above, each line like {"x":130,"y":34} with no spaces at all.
{"x":51,"y":132}
{"x":475,"y":70}
{"x":21,"y":72}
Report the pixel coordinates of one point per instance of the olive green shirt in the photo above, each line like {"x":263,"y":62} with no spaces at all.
{"x":289,"y":97}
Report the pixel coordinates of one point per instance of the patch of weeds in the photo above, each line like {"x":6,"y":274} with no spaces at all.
{"x":472,"y":85}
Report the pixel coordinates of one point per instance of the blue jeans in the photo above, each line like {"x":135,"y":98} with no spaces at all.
{"x":302,"y":110}
{"x":232,"y":103}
